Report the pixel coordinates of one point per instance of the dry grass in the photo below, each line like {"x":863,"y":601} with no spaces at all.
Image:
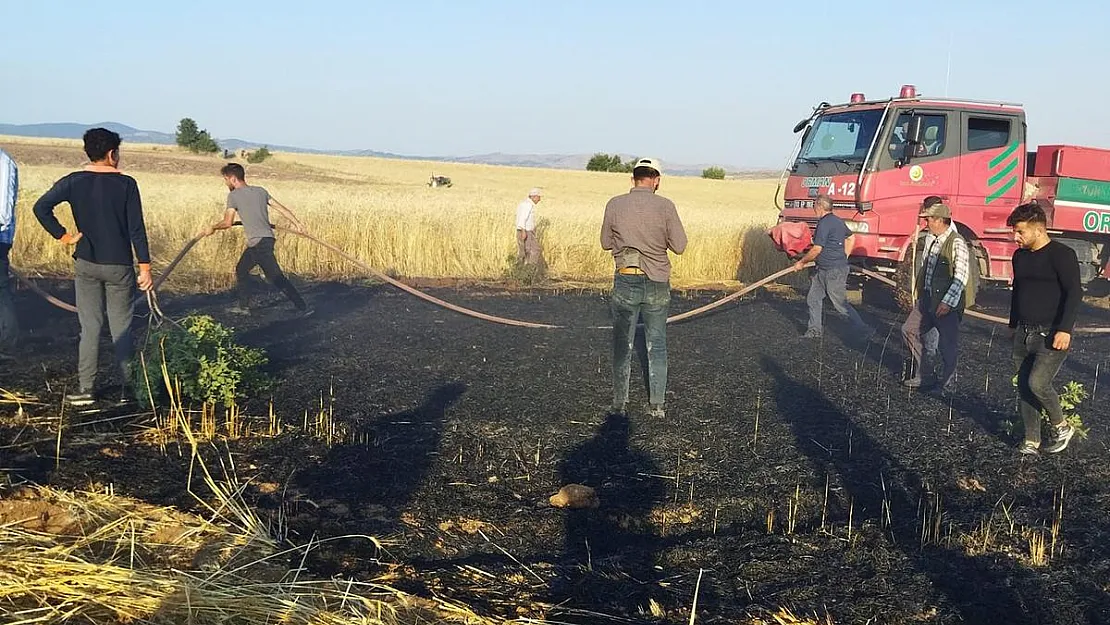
{"x":93,"y":557}
{"x":785,"y":617}
{"x":382,"y":212}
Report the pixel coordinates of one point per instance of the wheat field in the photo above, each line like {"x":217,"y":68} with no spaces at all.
{"x":383,"y":212}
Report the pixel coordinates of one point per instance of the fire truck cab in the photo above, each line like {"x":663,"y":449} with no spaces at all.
{"x":877,"y":160}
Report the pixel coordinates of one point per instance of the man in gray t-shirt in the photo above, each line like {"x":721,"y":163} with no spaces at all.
{"x":252,"y":206}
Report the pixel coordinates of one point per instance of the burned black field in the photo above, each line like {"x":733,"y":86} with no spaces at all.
{"x":788,"y":473}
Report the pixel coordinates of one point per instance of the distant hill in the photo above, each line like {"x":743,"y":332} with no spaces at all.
{"x":70,"y":130}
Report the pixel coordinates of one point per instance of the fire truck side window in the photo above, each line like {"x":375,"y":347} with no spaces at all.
{"x":984,"y":133}
{"x":932,"y":142}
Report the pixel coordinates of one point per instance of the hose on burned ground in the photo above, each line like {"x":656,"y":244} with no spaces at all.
{"x":400,"y":285}
{"x":480,"y":315}
{"x":404,"y":287}
{"x":138,"y":298}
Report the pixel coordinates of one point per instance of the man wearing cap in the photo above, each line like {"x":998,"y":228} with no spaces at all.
{"x":942,"y":277}
{"x":638,"y":228}
{"x":527,"y":244}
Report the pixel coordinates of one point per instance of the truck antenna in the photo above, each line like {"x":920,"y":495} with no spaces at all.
{"x":948,"y":71}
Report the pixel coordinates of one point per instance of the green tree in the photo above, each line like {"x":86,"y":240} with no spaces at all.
{"x":205,"y":144}
{"x":713,"y":173}
{"x":605,"y":162}
{"x":189,"y":136}
{"x":187,"y":133}
{"x":259,"y":155}
{"x":598,"y":162}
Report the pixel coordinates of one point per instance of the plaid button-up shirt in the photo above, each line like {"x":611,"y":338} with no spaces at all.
{"x":961,"y":259}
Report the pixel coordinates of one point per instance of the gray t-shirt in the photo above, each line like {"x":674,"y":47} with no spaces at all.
{"x":252,"y":204}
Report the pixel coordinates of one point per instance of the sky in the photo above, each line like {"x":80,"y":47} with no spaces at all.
{"x":693,"y":82}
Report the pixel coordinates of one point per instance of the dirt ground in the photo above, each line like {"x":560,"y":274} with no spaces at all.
{"x":787,"y":473}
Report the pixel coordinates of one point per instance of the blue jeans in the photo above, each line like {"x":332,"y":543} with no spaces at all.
{"x":634,"y":296}
{"x":834,"y":284}
{"x":9,"y":325}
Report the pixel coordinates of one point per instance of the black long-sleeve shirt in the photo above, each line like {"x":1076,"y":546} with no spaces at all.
{"x":1047,"y":290}
{"x":108,"y":213}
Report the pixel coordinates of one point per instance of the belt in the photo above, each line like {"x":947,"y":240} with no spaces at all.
{"x":631,"y":271}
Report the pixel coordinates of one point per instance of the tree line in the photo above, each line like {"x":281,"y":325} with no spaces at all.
{"x":613,"y":163}
{"x":191,"y":137}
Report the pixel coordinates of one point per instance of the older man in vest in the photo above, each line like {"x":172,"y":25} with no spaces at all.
{"x":941,"y":282}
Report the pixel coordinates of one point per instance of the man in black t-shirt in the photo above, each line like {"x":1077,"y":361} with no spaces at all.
{"x":1045,"y":299}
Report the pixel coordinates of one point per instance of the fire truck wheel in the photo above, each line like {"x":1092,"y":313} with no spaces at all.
{"x":903,"y":297}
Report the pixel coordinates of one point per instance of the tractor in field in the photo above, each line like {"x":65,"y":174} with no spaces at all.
{"x":878,"y":159}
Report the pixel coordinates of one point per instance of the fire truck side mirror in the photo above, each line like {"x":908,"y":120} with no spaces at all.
{"x":916,"y":131}
{"x":800,"y":126}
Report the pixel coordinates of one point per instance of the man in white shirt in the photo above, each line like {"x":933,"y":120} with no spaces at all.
{"x":9,"y":191}
{"x":527,"y":244}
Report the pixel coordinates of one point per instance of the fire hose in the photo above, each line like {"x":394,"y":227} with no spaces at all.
{"x":484,"y":316}
{"x":404,"y":287}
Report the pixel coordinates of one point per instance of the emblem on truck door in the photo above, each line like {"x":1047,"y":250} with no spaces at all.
{"x":916,"y":173}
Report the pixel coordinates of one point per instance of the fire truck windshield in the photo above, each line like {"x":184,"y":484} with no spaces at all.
{"x":837,"y":140}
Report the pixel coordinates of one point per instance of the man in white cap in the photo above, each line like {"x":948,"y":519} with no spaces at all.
{"x":639,"y":228}
{"x":527,"y":244}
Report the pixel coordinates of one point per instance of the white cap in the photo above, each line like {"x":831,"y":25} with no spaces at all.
{"x":535,"y":191}
{"x":653,"y":163}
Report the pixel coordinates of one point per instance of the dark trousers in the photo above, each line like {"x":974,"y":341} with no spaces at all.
{"x":634,"y":296}
{"x":922,"y":319}
{"x":100,"y":289}
{"x":261,"y":254}
{"x":9,"y":324}
{"x":1037,"y":364}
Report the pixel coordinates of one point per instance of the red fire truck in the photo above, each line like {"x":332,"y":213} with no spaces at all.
{"x":878,"y":159}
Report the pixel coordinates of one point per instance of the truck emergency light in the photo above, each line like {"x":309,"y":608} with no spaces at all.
{"x":908,"y":91}
{"x":856,"y":98}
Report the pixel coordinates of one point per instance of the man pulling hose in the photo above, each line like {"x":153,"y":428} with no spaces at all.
{"x":251,"y":205}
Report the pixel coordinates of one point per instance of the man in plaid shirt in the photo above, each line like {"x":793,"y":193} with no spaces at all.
{"x":941,"y":281}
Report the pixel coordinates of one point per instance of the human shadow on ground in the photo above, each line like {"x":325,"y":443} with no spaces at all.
{"x":378,"y":471}
{"x":878,"y":487}
{"x":609,"y":551}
